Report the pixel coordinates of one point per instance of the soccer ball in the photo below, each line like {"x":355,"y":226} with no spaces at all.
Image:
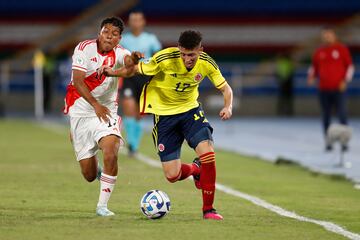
{"x":155,"y":204}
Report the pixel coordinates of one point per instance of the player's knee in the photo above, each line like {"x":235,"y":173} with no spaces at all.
{"x":173,"y":176}
{"x":110,"y":157}
{"x":89,"y":176}
{"x":203,"y":137}
{"x":110,"y":162}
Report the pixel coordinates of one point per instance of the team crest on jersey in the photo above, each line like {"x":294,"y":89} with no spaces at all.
{"x":198,"y":77}
{"x":161,"y":147}
{"x":109,"y":61}
{"x":146,"y":61}
{"x":335,"y":54}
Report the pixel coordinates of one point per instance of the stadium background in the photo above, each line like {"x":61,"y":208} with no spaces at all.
{"x":244,"y":37}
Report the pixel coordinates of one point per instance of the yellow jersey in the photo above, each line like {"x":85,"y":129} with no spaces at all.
{"x":173,"y":89}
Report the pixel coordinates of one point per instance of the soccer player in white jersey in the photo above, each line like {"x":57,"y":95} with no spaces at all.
{"x":91,"y":103}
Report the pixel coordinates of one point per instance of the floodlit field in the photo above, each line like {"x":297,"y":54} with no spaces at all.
{"x":43,"y":195}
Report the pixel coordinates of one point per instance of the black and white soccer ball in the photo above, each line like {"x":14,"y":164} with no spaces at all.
{"x":155,"y":204}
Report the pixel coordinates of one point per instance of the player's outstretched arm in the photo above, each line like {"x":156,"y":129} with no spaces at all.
{"x":120,"y":72}
{"x":133,"y":59}
{"x":130,"y":68}
{"x":226,"y":112}
{"x":101,"y":111}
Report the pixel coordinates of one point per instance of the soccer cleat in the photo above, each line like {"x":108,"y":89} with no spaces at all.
{"x":104,"y":212}
{"x":212,"y":214}
{"x":197,"y":163}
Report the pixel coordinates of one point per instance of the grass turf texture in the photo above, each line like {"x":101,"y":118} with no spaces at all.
{"x":43,"y":195}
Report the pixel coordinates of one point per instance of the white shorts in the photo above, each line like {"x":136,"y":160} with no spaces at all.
{"x":86,"y":133}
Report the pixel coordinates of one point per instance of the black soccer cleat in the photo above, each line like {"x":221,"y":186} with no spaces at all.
{"x":197,"y":177}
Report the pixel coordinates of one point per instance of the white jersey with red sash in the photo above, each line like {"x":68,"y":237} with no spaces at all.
{"x":87,"y":58}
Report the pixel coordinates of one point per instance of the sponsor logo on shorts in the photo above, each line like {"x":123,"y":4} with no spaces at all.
{"x":198,"y":77}
{"x":161,"y":147}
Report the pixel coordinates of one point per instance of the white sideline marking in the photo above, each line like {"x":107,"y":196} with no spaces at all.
{"x":332,"y":227}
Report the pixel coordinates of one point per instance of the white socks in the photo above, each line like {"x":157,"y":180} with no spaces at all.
{"x":107,"y":184}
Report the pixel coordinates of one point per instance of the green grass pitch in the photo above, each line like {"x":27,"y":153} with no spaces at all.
{"x":43,"y":195}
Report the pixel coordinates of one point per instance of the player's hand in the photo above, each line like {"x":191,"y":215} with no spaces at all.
{"x":136,"y":56}
{"x":106,"y":70}
{"x":225,"y":113}
{"x":343,"y":86}
{"x":102,"y":112}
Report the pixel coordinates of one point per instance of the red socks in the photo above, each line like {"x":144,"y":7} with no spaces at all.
{"x":207,"y":179}
{"x":188,"y":170}
{"x":185,"y":171}
{"x":207,"y":173}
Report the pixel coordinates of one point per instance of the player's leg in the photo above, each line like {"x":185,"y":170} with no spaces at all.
{"x":341,"y":108}
{"x":172,"y":169}
{"x":205,"y":151}
{"x":341,"y":113}
{"x":175,"y":170}
{"x":139,"y":81}
{"x":130,"y":112}
{"x":85,"y":148}
{"x":108,"y":138}
{"x":325,"y":104}
{"x":198,"y":134}
{"x":110,"y":147}
{"x":89,"y":168}
{"x":168,"y":140}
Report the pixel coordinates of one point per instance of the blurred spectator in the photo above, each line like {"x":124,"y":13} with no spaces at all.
{"x":147,"y":43}
{"x":285,"y":73}
{"x":332,"y":65}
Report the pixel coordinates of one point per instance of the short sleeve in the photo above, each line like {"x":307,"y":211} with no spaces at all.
{"x":217,"y":78}
{"x":121,"y":53}
{"x":79,"y":60}
{"x":213,"y":70}
{"x":149,"y":67}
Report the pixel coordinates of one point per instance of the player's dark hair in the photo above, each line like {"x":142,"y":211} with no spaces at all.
{"x":116,"y":22}
{"x":190,"y":39}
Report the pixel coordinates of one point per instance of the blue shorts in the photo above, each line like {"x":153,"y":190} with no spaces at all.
{"x":170,"y":131}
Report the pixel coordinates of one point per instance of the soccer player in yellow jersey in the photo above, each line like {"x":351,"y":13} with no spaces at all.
{"x":171,"y":96}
